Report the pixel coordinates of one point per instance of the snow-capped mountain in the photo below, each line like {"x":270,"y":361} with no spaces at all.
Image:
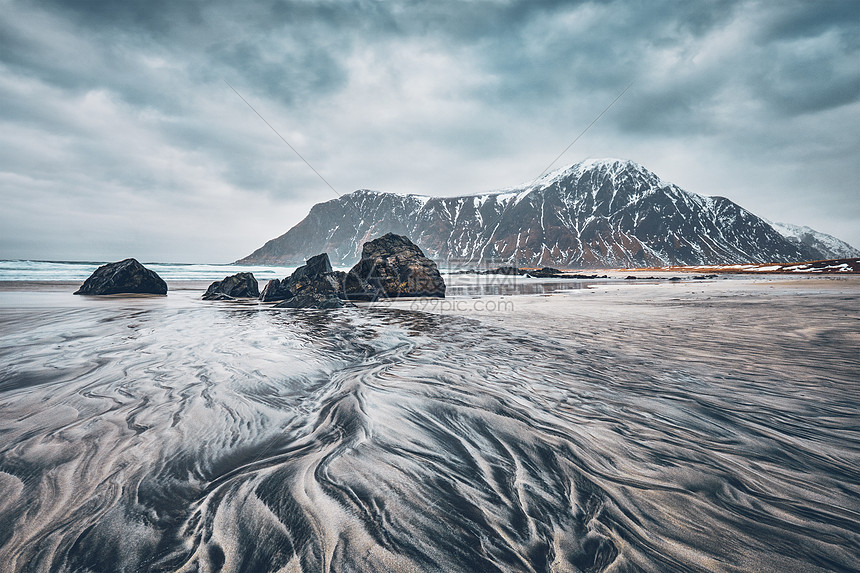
{"x":596,"y":213}
{"x":820,"y":245}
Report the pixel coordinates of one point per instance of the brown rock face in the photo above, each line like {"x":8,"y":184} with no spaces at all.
{"x":393,"y":266}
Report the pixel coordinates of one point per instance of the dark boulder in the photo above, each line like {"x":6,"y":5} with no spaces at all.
{"x":311,"y":299}
{"x":218,"y":296}
{"x":358,"y":289}
{"x":128,"y":276}
{"x":316,"y":275}
{"x":337,"y":278}
{"x":393,"y":266}
{"x":240,"y":285}
{"x":313,"y":267}
{"x":312,"y":285}
{"x":276,"y":289}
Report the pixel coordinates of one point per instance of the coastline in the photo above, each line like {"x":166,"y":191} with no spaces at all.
{"x":458,"y":282}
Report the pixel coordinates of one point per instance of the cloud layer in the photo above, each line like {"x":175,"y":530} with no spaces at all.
{"x":119,"y":136}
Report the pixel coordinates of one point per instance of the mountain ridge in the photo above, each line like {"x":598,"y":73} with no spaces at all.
{"x":595,"y":213}
{"x":828,"y":245}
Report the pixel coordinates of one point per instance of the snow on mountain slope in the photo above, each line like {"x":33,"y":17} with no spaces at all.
{"x":821,"y":245}
{"x":596,"y":213}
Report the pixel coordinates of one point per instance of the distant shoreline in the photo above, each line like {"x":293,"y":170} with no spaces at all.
{"x":456,"y":282}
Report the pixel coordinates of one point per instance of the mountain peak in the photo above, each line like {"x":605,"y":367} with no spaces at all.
{"x":605,"y":212}
{"x":605,"y":166}
{"x":607,"y":163}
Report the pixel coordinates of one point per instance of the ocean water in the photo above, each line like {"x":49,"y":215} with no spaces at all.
{"x":184,"y":275}
{"x":674,"y":433}
{"x":22,"y":270}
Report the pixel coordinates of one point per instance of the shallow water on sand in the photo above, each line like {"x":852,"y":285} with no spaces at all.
{"x":169,"y":434}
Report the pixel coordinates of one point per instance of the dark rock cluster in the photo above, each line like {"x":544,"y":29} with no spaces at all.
{"x":123,"y":277}
{"x":313,"y":285}
{"x":391,"y":266}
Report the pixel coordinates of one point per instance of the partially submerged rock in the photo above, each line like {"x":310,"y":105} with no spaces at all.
{"x":123,"y":277}
{"x":240,"y":285}
{"x":390,"y":266}
{"x":393,"y":266}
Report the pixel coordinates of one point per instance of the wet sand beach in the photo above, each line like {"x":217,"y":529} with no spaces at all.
{"x":692,"y":425}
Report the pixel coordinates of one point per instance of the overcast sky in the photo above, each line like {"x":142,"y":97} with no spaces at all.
{"x":119,"y":136}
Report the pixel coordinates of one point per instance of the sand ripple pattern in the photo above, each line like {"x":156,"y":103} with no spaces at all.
{"x":202,"y":438}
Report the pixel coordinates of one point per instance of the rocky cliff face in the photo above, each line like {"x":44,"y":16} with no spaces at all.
{"x":597,"y":213}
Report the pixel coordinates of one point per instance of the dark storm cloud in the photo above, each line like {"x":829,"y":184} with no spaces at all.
{"x":144,"y":16}
{"x":294,"y":51}
{"x":802,"y":19}
{"x":124,"y":105}
{"x":290,"y":76}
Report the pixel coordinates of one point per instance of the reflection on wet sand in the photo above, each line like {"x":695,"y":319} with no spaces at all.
{"x":670,"y":435}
